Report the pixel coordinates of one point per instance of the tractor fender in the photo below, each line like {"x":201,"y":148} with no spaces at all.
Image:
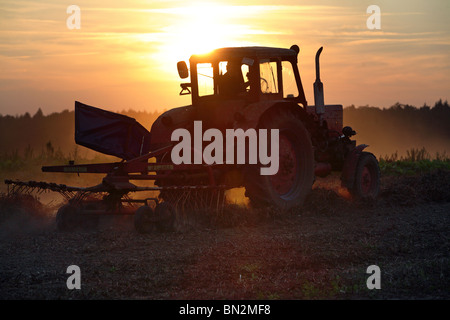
{"x":170,"y":120}
{"x":250,"y":116}
{"x":349,"y":167}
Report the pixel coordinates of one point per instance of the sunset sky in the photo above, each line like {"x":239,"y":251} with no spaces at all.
{"x":124,"y":56}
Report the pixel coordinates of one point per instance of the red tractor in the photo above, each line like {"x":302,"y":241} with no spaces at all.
{"x":232,"y":88}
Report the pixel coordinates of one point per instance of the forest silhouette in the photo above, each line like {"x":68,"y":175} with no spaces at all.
{"x":387,"y":131}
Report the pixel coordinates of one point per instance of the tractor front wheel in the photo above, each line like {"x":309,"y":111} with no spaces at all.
{"x":367,"y":177}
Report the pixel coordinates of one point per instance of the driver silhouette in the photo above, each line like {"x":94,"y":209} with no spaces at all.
{"x":232,"y":82}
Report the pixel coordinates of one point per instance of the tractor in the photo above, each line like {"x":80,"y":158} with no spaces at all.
{"x":246,"y":88}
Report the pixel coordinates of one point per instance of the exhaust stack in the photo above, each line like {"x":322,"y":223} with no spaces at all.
{"x":318,"y":89}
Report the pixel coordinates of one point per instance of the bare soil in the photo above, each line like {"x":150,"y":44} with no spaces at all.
{"x":319,"y":251}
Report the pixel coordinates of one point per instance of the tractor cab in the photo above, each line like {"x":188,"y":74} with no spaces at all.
{"x":232,"y":78}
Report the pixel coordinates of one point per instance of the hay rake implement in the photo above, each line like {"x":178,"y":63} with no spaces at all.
{"x":163,"y":207}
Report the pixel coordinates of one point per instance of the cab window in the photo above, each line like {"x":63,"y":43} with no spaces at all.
{"x":269,"y":76}
{"x":290,"y":89}
{"x":205,"y":79}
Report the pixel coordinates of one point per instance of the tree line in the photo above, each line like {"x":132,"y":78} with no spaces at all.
{"x":401,"y":127}
{"x":386,"y":131}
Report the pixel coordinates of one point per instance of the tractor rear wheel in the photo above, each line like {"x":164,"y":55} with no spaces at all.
{"x":367,"y":177}
{"x":293,"y":181}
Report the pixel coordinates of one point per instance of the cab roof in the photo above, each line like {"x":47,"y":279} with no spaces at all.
{"x":241,"y":52}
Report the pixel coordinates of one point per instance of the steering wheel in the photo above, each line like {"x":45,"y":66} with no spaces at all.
{"x":264,"y":85}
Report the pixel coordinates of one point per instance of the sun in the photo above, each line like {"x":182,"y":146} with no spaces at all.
{"x":200,"y":28}
{"x":203,"y":29}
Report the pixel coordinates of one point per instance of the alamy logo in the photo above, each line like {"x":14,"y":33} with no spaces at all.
{"x":213,"y":153}
{"x":374,"y":20}
{"x":74,"y":281}
{"x":74,"y":20}
{"x":373,"y":281}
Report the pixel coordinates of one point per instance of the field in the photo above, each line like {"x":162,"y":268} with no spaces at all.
{"x":319,"y":251}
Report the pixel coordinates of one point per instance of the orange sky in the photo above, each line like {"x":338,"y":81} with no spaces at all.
{"x":124,"y":56}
